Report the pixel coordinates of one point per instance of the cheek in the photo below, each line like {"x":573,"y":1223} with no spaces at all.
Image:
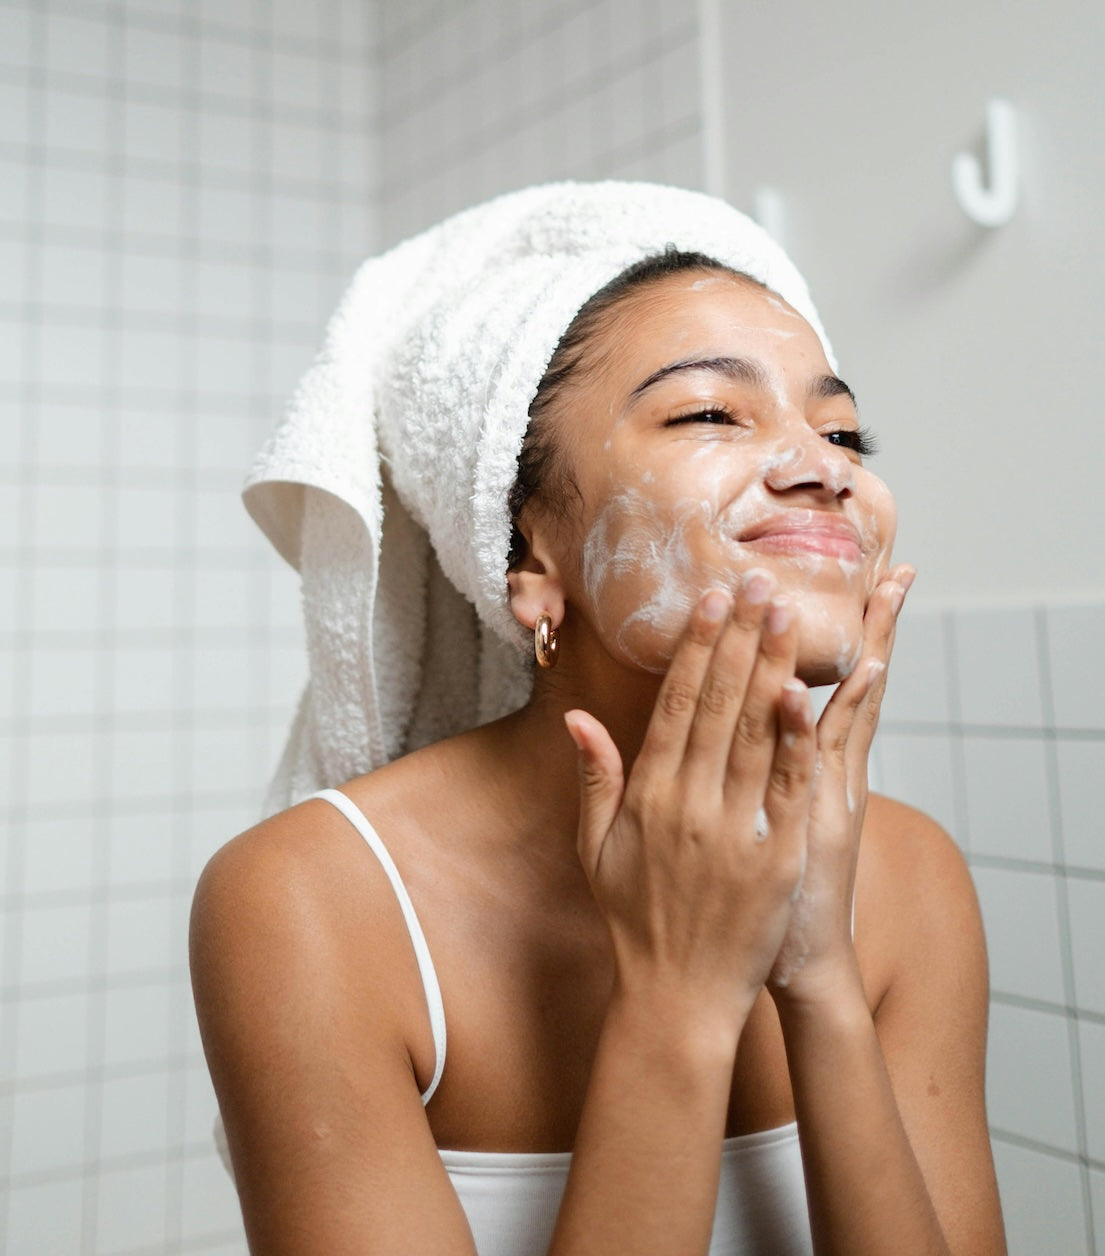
{"x":878,"y":523}
{"x":643,"y":574}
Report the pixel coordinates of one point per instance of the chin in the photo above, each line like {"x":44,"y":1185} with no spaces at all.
{"x":829,"y":648}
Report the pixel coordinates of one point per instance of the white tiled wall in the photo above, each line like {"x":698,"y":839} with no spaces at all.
{"x":184,"y":187}
{"x":995,"y":723}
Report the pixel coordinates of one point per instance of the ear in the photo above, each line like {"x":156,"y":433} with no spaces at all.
{"x":534,"y":585}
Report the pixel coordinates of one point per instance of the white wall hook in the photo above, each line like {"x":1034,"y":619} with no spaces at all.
{"x":991,"y":205}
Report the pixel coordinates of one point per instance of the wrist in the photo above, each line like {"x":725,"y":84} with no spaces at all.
{"x":822,"y":992}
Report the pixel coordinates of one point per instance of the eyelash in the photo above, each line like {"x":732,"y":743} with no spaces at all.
{"x":859,"y":441}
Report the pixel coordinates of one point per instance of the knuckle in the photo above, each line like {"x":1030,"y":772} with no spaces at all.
{"x":677,"y":698}
{"x":750,"y":732}
{"x":718,"y":697}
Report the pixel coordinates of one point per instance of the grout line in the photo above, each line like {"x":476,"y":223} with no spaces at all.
{"x":1048,"y":1149}
{"x":1066,"y":947}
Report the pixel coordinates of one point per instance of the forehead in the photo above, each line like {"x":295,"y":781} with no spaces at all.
{"x":704,"y":313}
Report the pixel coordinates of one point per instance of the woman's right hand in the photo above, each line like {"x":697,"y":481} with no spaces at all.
{"x":695,"y":860}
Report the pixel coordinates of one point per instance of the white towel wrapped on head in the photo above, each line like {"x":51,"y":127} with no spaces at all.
{"x":386,"y":483}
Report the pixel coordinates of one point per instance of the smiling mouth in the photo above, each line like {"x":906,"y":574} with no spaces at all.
{"x":806,"y":532}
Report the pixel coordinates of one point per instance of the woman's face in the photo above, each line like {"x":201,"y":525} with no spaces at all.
{"x":713,"y":438}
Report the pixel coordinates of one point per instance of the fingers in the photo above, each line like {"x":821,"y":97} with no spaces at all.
{"x":851,"y":716}
{"x":601,"y":783}
{"x":787,"y":798}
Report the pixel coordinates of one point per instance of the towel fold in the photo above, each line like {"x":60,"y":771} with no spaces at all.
{"x":386,"y":482}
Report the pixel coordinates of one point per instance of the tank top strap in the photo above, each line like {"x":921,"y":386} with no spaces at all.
{"x":436,"y":1008}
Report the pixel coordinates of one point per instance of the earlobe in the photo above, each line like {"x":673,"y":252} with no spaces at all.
{"x":534,"y":586}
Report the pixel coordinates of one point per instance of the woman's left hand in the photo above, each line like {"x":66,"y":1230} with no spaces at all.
{"x":817,"y":950}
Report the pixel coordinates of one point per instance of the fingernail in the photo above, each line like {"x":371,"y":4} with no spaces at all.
{"x":756,"y":587}
{"x":897,"y":597}
{"x":778,"y":618}
{"x":715,"y":606}
{"x":907,"y":578}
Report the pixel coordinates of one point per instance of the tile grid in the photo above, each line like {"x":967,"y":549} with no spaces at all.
{"x":23,"y":627}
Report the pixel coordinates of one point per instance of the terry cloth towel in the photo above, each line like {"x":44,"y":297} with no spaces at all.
{"x":386,"y":482}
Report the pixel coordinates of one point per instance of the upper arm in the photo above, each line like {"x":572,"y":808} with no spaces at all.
{"x":302,"y":1021}
{"x":932,"y":1016}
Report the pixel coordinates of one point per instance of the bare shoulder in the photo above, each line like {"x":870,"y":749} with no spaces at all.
{"x":915,"y":898}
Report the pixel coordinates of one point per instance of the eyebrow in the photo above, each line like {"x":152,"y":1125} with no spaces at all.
{"x":740,"y":371}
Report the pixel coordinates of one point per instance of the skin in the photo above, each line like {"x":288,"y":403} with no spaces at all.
{"x":643,"y":927}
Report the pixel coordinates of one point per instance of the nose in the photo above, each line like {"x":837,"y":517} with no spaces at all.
{"x":805,"y":460}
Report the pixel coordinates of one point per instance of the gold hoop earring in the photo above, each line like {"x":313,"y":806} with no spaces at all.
{"x":546,"y":641}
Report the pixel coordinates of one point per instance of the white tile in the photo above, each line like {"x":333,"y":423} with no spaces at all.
{"x":209,"y":1202}
{"x":75,"y":198}
{"x":918,"y":770}
{"x":222,"y":599}
{"x":66,"y":597}
{"x":13,"y":192}
{"x":224,"y":290}
{"x":45,"y":1218}
{"x":287,"y":677}
{"x":15,"y":37}
{"x":149,"y":438}
{"x":135,"y":1114}
{"x":63,"y":767}
{"x":152,"y":358}
{"x":221,"y":678}
{"x":1097,"y":1198}
{"x":226,"y":69}
{"x":227,"y":141}
{"x":144,"y":763}
{"x":221,"y":520}
{"x":1081,"y":769}
{"x":916,"y":688}
{"x":145,"y":680}
{"x":298,"y":222}
{"x":223,"y":365}
{"x":73,"y":276}
{"x":76,"y":45}
{"x":298,"y":81}
{"x":141,"y":848}
{"x":1005,"y":783}
{"x":997,"y":666}
{"x":55,"y":943}
{"x":1091,"y":1037}
{"x":1026,"y":1043}
{"x":68,"y":515}
{"x":154,"y":58}
{"x":131,"y":1212}
{"x":59,"y":855}
{"x":145,"y":518}
{"x":1076,"y":635}
{"x":15,"y":101}
{"x":149,"y":283}
{"x":1020,"y":913}
{"x":73,"y":355}
{"x":64,"y":681}
{"x":222,"y":758}
{"x":1041,"y":1199}
{"x":152,"y":206}
{"x":142,"y":937}
{"x":298,"y":152}
{"x":227,"y":215}
{"x":1086,"y":900}
{"x":13,"y":356}
{"x":153,"y":131}
{"x":47,"y":1129}
{"x":145,"y":599}
{"x":76,"y":122}
{"x":69,"y":435}
{"x":136,"y":1024}
{"x":52,"y":1035}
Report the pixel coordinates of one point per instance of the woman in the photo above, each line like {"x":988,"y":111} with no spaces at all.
{"x":651,"y":926}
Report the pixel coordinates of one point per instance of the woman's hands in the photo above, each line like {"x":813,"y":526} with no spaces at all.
{"x":695,"y":860}
{"x":818,"y":942}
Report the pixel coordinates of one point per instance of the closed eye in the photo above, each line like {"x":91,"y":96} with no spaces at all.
{"x":859,"y":440}
{"x":702,"y":416}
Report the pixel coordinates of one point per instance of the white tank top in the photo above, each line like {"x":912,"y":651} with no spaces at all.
{"x":511,"y":1199}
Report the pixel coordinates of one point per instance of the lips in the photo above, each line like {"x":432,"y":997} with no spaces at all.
{"x":806,"y":532}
